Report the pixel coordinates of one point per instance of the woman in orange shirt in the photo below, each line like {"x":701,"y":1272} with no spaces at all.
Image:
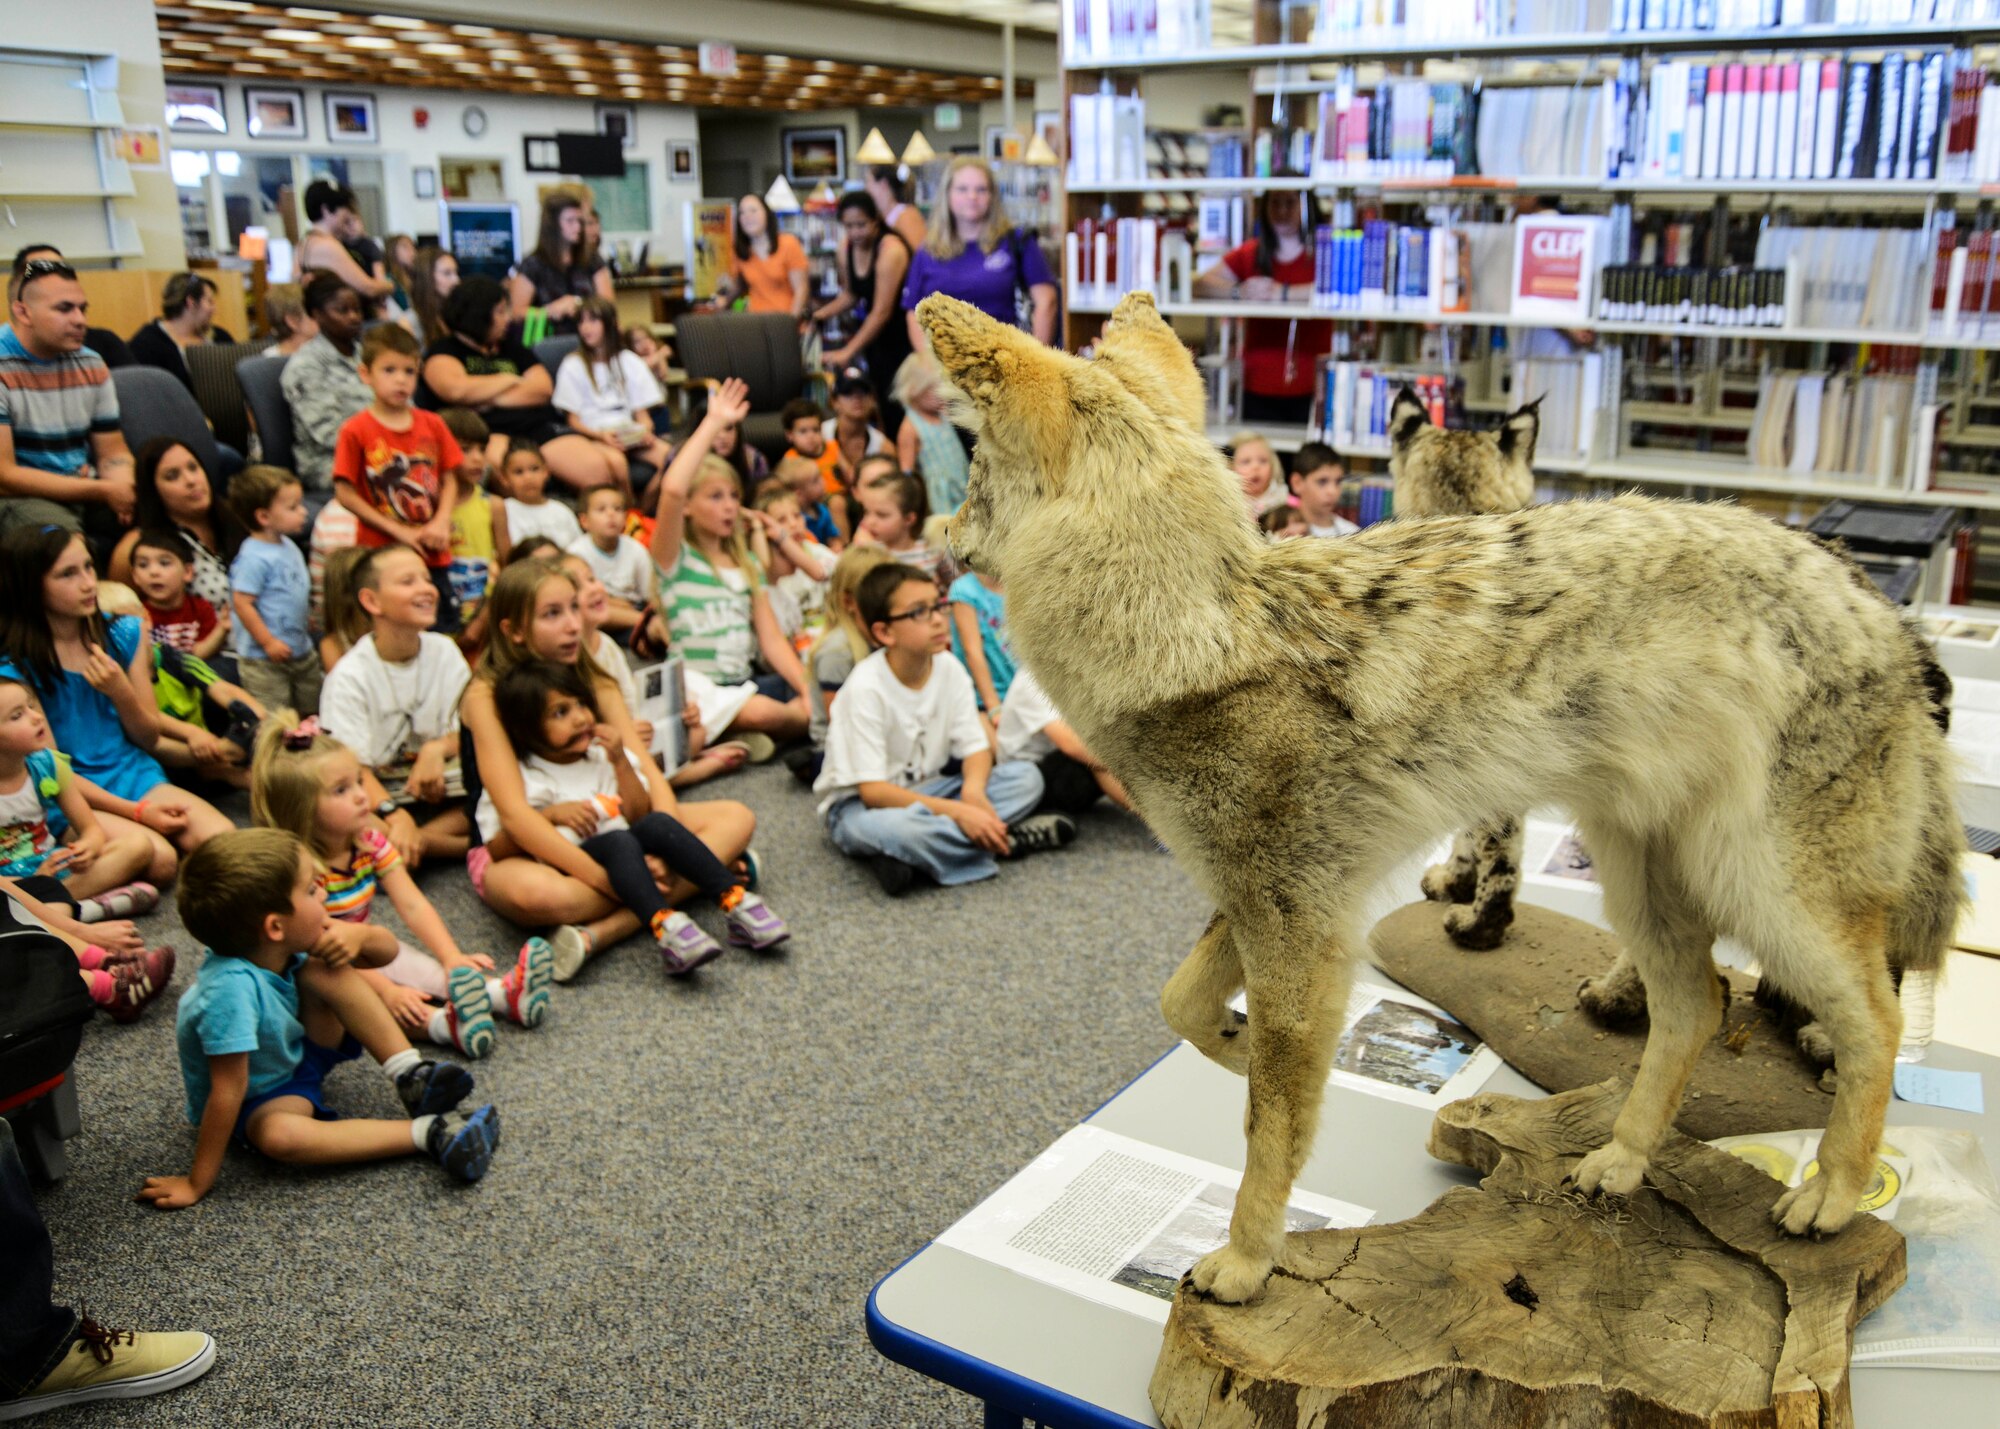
{"x":767,"y":265}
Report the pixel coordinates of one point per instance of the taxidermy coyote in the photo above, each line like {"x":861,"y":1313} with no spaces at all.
{"x":1738,"y":722}
{"x":1441,"y":473}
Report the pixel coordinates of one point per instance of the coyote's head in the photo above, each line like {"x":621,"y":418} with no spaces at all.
{"x":1103,"y":445}
{"x":1441,"y":473}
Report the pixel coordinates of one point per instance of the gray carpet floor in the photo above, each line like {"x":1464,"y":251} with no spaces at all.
{"x":699,"y":1182}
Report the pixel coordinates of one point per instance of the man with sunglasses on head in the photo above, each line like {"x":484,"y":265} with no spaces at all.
{"x":63,"y":459}
{"x":100,"y":340}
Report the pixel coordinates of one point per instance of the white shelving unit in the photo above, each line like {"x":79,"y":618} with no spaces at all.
{"x":1277,"y":71}
{"x":58,"y":172}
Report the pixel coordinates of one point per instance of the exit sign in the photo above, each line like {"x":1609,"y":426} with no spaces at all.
{"x":947,"y":116}
{"x":717,"y":57}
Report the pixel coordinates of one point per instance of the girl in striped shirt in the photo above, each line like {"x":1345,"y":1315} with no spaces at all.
{"x":310,"y":784}
{"x":712,"y":590}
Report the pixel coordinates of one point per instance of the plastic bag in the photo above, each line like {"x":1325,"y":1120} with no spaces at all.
{"x":1937,"y":1189}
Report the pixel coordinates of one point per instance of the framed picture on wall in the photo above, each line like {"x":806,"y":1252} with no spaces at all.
{"x":196,"y":109}
{"x":1003,"y":145}
{"x":815,"y":156}
{"x":683,"y":166}
{"x":274,"y":113}
{"x":619,"y":119}
{"x":350,"y":118}
{"x":425,"y":182}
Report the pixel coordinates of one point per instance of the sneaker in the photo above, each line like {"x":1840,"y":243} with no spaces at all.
{"x":528,"y":984}
{"x":116,"y":1364}
{"x":468,"y":1011}
{"x":464,"y":1145}
{"x":130,"y":901}
{"x":138,"y":984}
{"x":893,"y":874}
{"x":754,"y":925}
{"x":761,"y":746}
{"x":573,"y":948}
{"x":683,"y":945}
{"x":431,"y":1087}
{"x":1040,"y":833}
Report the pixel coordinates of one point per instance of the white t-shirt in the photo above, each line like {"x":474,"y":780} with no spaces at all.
{"x":590,"y":779}
{"x":551,"y":518}
{"x":1024,"y":714}
{"x":626,"y":570}
{"x":882,"y":730}
{"x":622,"y":388}
{"x":806,"y":593}
{"x":384,"y":710}
{"x":611,"y":660}
{"x":1341,"y":527}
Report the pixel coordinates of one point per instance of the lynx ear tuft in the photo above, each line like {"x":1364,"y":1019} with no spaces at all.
{"x":1517,"y":434}
{"x":1407,"y":417}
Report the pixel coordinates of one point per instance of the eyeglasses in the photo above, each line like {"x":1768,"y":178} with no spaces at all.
{"x":915,"y":612}
{"x":46,"y":267}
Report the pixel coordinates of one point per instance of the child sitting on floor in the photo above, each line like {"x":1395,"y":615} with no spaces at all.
{"x":928,"y":445}
{"x":48,"y":831}
{"x":621,"y":563}
{"x":1032,"y":728}
{"x":800,"y":477}
{"x":278,"y":1004}
{"x":798,"y":566}
{"x":310,"y":785}
{"x":393,"y":699}
{"x":120,"y":973}
{"x":979,"y":639}
{"x":192,"y":697}
{"x":1317,"y":473}
{"x":893,"y":511}
{"x":530,"y":512}
{"x":162,"y":567}
{"x":1282,"y":523}
{"x":272,"y":591}
{"x":904,"y":712}
{"x":805,"y":429}
{"x":1256,"y":467}
{"x":576,"y":772}
{"x":479,"y":535}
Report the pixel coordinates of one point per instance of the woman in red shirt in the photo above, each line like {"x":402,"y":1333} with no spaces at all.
{"x":1280,"y":355}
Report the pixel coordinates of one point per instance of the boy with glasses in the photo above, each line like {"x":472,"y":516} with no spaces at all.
{"x":906,"y":711}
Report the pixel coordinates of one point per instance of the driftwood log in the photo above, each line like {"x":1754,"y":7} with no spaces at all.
{"x":1522,"y":1303}
{"x":1521,"y":1001}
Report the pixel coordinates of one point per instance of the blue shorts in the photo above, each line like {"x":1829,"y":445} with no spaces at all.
{"x":314,"y":1064}
{"x":774,"y":687}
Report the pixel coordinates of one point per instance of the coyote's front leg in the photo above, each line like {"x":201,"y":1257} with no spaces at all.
{"x":1298,"y":991}
{"x":1195,"y":1000}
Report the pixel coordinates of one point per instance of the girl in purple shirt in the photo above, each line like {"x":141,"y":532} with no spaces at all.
{"x":973,"y":254}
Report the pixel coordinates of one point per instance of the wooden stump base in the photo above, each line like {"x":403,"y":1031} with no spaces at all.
{"x":1521,"y":1000}
{"x":1522,"y":1303}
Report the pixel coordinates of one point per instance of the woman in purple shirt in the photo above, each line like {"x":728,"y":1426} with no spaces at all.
{"x":974,"y":254}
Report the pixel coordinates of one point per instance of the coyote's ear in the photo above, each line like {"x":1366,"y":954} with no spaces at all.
{"x":1012,"y":383}
{"x":1144,"y":353}
{"x":1518,"y":433}
{"x":1407,"y":417}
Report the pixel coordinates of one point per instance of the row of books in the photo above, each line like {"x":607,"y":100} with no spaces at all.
{"x":1829,"y":118}
{"x":1867,"y":278}
{"x":1354,"y":400}
{"x":1104,"y":260}
{"x":1383,"y":267}
{"x":1397,"y":22}
{"x":1720,"y":297}
{"x":1972,"y":124}
{"x":1402,"y":128}
{"x":1107,"y":135}
{"x":1841,"y":424}
{"x":1965,"y":282}
{"x":1124,"y":29}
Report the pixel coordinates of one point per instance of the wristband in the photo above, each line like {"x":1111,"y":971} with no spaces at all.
{"x":139,"y":811}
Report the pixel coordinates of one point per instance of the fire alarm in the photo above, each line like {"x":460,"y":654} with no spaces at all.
{"x":422,"y":117}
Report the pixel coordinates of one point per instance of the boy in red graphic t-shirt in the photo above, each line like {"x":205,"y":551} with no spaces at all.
{"x":394,"y":465}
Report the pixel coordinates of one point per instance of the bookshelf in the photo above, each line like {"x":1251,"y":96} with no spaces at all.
{"x":59,"y":111}
{"x":1646,"y":434}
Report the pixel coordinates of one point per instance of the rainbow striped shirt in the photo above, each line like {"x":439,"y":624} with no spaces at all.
{"x":350,"y":891}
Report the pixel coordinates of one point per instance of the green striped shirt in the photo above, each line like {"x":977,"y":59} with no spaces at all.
{"x":708,"y":617}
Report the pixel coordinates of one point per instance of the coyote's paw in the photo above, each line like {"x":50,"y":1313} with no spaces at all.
{"x":1230,"y":1275}
{"x":1815,"y":1044}
{"x":1477,"y":930}
{"x":1821,"y":1206}
{"x":1450,"y":883}
{"x":1612,"y":1169}
{"x":1613,"y":1001}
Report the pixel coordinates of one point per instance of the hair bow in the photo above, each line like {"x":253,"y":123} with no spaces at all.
{"x":301,"y":735}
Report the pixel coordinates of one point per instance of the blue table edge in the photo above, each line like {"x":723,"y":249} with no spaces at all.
{"x":983,"y":1378}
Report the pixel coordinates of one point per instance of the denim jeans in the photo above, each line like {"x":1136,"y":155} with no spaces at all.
{"x":34,"y":1333}
{"x":930,"y":841}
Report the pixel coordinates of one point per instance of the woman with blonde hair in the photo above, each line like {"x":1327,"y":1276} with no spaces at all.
{"x":974,"y":254}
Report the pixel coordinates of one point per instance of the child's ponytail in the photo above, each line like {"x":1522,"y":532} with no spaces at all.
{"x":284,"y":776}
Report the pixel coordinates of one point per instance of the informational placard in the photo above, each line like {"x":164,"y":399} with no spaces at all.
{"x":1556,"y":258}
{"x":1117,"y":1221}
{"x":705,"y":240}
{"x":1397,"y":1046}
{"x":484,"y":237}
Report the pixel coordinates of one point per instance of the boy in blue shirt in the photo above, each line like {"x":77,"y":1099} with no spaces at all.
{"x":271,"y":592}
{"x":267,"y":1019}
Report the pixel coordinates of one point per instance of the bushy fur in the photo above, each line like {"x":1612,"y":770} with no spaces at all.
{"x":1738,"y":722}
{"x":1445,"y":473}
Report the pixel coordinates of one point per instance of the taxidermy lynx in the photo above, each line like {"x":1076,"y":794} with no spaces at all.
{"x":1441,"y":473}
{"x":1737,"y":720}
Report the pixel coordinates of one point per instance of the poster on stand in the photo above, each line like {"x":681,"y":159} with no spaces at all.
{"x":706,"y":243}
